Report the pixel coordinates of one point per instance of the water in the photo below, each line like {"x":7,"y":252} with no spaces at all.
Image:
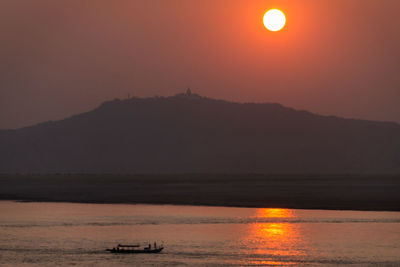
{"x":49,"y":234}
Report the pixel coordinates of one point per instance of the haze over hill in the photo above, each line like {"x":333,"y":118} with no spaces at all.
{"x":187,"y":133}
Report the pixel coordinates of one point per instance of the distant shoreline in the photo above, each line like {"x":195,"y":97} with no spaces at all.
{"x":201,"y":205}
{"x":325,"y":192}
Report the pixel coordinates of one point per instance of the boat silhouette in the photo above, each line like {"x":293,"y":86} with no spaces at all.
{"x":136,"y":249}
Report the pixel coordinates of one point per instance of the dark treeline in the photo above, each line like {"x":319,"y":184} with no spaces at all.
{"x":350,"y":192}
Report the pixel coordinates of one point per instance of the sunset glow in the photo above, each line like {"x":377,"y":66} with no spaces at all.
{"x":200,"y":133}
{"x":275,"y":238}
{"x":274,"y":20}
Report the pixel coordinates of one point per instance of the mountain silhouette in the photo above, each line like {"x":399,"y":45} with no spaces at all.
{"x":187,"y":133}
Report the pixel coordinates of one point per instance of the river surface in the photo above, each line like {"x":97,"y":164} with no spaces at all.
{"x":51,"y":234}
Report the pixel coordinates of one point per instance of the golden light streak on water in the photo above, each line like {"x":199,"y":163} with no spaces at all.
{"x":275,"y":239}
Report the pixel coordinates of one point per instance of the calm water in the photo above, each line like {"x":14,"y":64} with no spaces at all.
{"x":49,"y":234}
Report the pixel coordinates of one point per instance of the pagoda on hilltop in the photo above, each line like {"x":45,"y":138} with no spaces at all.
{"x":188,"y":94}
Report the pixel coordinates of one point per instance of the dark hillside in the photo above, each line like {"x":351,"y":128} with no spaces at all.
{"x":192,"y":134}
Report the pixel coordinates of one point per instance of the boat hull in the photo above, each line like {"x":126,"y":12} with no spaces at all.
{"x":134,"y":251}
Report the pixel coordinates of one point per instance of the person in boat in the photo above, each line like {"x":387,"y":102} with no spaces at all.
{"x":155,"y":245}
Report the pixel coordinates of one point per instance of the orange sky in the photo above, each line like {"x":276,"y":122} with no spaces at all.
{"x":334,"y":57}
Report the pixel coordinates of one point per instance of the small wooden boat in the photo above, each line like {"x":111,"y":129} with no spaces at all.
{"x":135,"y":249}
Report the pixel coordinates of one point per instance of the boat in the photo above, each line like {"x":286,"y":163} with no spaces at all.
{"x":136,"y":249}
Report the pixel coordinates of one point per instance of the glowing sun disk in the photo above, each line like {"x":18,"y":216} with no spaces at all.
{"x":274,"y":20}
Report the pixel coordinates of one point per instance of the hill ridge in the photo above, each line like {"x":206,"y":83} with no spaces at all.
{"x":188,"y":133}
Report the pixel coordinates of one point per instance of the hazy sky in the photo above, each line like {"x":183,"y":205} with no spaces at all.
{"x":334,"y":57}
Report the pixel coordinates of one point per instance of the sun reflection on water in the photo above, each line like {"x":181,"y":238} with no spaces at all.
{"x":275,"y":213}
{"x":275,"y":240}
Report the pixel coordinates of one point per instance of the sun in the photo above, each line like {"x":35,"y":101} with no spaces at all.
{"x":274,"y":20}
